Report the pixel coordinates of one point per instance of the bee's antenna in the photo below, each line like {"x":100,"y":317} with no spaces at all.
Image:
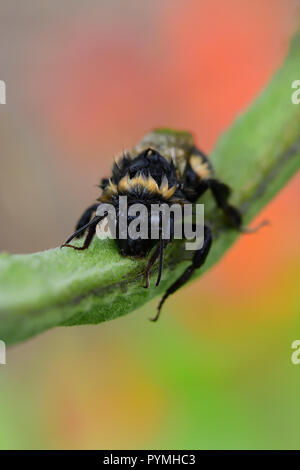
{"x":94,"y":221}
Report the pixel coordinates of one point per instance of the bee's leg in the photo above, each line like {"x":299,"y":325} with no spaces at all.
{"x":91,"y":226}
{"x":221,"y":193}
{"x":198,"y":260}
{"x":89,"y":237}
{"x":86,"y":217}
{"x":199,"y":177}
{"x":157,"y":253}
{"x":161,"y":258}
{"x":151,"y":262}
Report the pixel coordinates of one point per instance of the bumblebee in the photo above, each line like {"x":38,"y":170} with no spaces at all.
{"x":164,"y":167}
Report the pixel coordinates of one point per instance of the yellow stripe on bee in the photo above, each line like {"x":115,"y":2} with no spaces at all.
{"x":164,"y":189}
{"x":200,"y":167}
{"x":143,"y":182}
{"x":147,"y":183}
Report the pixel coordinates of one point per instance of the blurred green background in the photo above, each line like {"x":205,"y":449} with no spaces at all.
{"x":84,"y":80}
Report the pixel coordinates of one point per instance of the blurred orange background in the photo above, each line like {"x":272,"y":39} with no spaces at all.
{"x":84,"y":80}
